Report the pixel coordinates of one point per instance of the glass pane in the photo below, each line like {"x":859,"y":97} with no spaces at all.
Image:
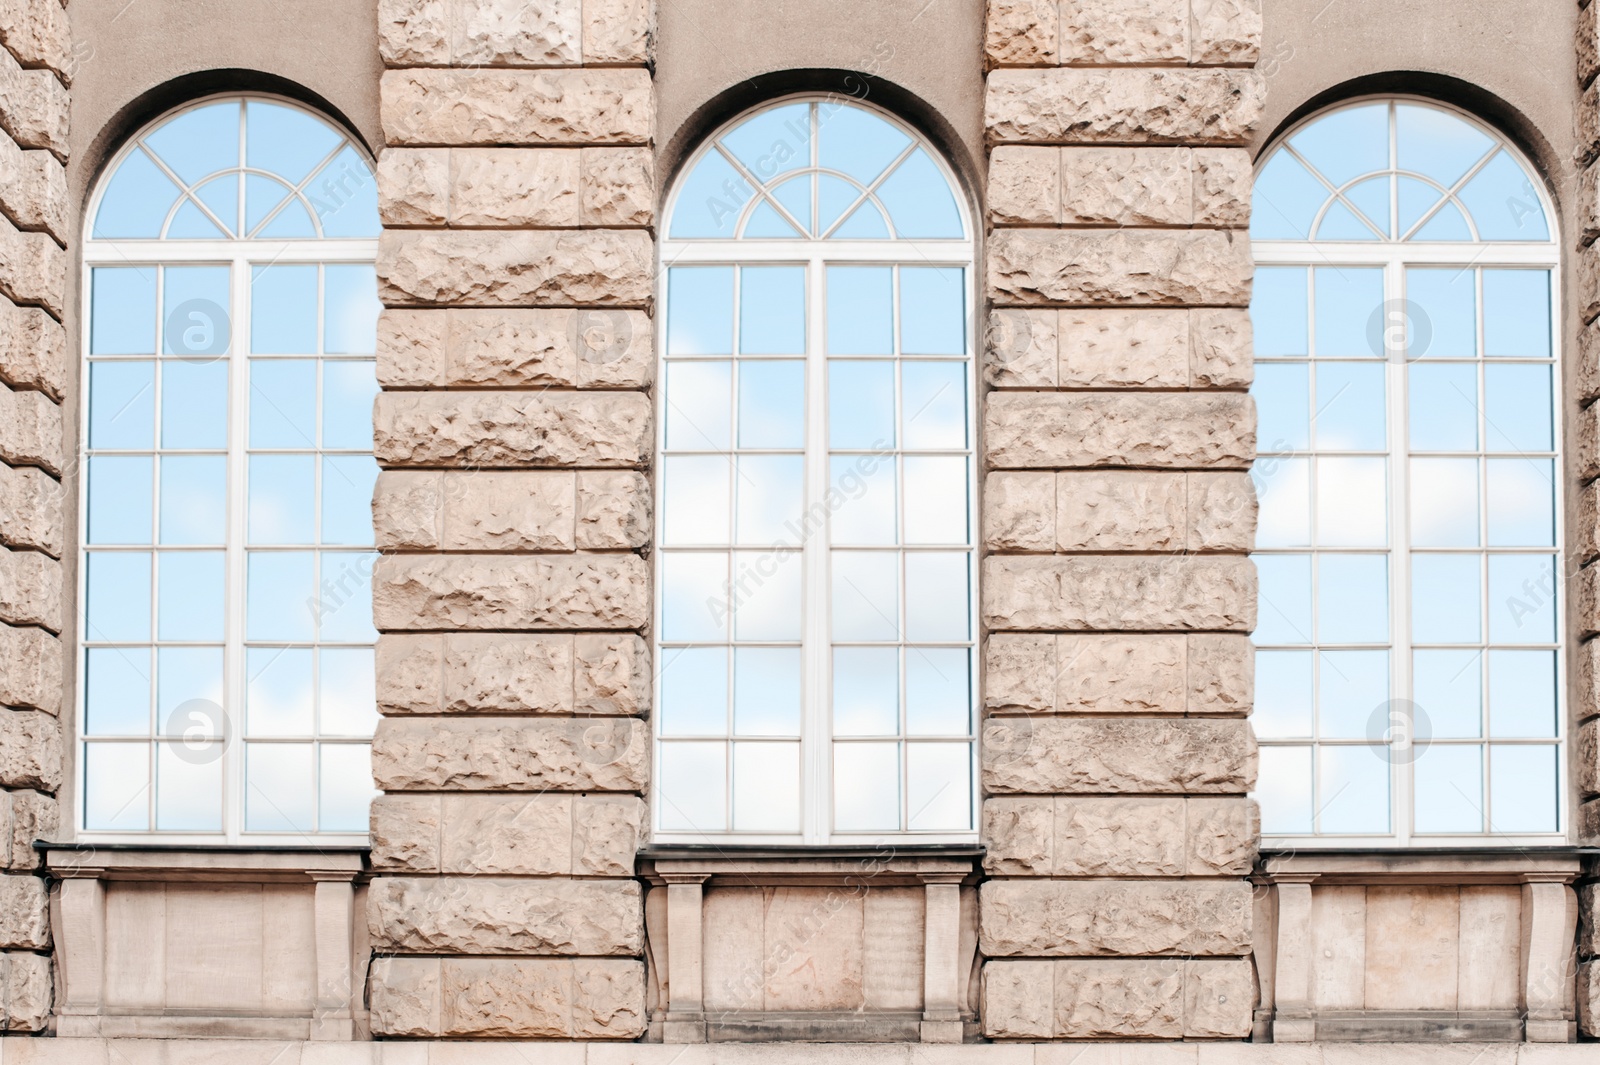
{"x":194,"y":497}
{"x":347,"y":482}
{"x":711,"y":199}
{"x":1517,"y":407}
{"x":116,"y":698}
{"x":1447,"y":689}
{"x":283,"y":309}
{"x":348,"y":391}
{"x":694,"y":596}
{"x":194,"y":404}
{"x":695,"y":498}
{"x":119,"y":596}
{"x":860,"y":405}
{"x":1283,"y":489}
{"x":935,"y":499}
{"x":1353,"y":789}
{"x":344,"y":194}
{"x":933,"y":316}
{"x":694,"y":691}
{"x":772,"y":404}
{"x":1522,"y":694}
{"x":122,"y":320}
{"x":857,"y":142}
{"x":122,"y":404}
{"x":866,"y":691}
{"x":189,"y":693}
{"x":1522,"y":505}
{"x":283,"y":499}
{"x":350,"y":311}
{"x":1445,"y":598}
{"x":766,"y":787}
{"x":919,"y":200}
{"x":1283,"y":694}
{"x":1283,"y":585}
{"x":1444,"y":502}
{"x":194,"y":311}
{"x":190,"y":222}
{"x":190,"y":596}
{"x":1283,"y":790}
{"x":938,"y":691}
{"x":1442,"y":313}
{"x":283,"y":403}
{"x":1522,"y":599}
{"x":1503,"y":202}
{"x":789,"y":223}
{"x":1352,"y":599}
{"x":1347,"y":143}
{"x":262,"y":199}
{"x":280,"y":795}
{"x":121,"y":498}
{"x":938,"y":787}
{"x":136,"y":200}
{"x":1352,"y":502}
{"x":866,"y":787}
{"x":199,"y":142}
{"x":772,"y":142}
{"x":700,"y":310}
{"x":699,"y":405}
{"x":1347,"y":299}
{"x":1278,"y":310}
{"x":281,"y":596}
{"x":770,"y":493}
{"x":767,"y":595}
{"x":694,"y":786}
{"x":933,"y":402}
{"x":865,"y":489}
{"x":347,"y":791}
{"x":860,"y":300}
{"x":1285,"y":200}
{"x":772,"y":310}
{"x":1434,"y":142}
{"x":936,"y":596}
{"x":285,"y":140}
{"x":766,"y":691}
{"x":1516,"y":312}
{"x":346,"y":696}
{"x":1352,"y":693}
{"x":1449,"y":788}
{"x":117,"y":786}
{"x":189,"y":786}
{"x":864,"y":223}
{"x":1283,"y":408}
{"x":1443,"y":407}
{"x":1522,"y":789}
{"x":343,"y":607}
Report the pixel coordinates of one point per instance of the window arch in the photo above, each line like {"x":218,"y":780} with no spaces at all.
{"x":815,"y":560}
{"x":1409,"y":675}
{"x":226,"y":641}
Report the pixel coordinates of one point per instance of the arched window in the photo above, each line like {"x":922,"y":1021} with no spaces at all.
{"x":815,"y":564}
{"x":226,"y":662}
{"x":1409,"y":674}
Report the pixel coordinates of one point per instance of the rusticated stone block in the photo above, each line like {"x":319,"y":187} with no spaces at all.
{"x":511,"y":754}
{"x":1118,"y":999}
{"x":30,"y":430}
{"x":1065,"y":918}
{"x":618,"y":186}
{"x":613,"y":674}
{"x":1221,"y":512}
{"x":507,"y":835}
{"x":489,"y":429}
{"x":516,"y":187}
{"x":1586,"y":535}
{"x":33,"y":350}
{"x":1034,"y":430}
{"x":1120,"y":510}
{"x":475,"y":510}
{"x":30,"y":589}
{"x":617,"y":31}
{"x":511,"y":998}
{"x":33,"y":189}
{"x":599,"y":347}
{"x":26,"y":816}
{"x":1198,"y":673}
{"x":1588,"y":668}
{"x":1588,"y":920}
{"x":1588,"y":44}
{"x":33,"y":268}
{"x":1225,"y":31}
{"x":1021,"y":33}
{"x":512,"y":268}
{"x":1589,"y":998}
{"x":1122,"y":998}
{"x":1222,"y":348}
{"x":1025,"y":185}
{"x":505,"y":673}
{"x":1019,"y":511}
{"x":1116,"y":836}
{"x":33,"y":106}
{"x":1066,"y":106}
{"x":480,"y":915}
{"x":1119,"y":348}
{"x":24,"y":913}
{"x":1112,"y":593}
{"x":613,"y":510}
{"x":1587,"y":756}
{"x":30,"y":750}
{"x":36,"y":33}
{"x":1119,"y":266}
{"x":610,"y":591}
{"x":1119,"y":186}
{"x":26,"y":985}
{"x":612,"y":106}
{"x":1588,"y":419}
{"x":1043,"y":756}
{"x":30,"y":669}
{"x":430,"y":33}
{"x":1106,"y":32}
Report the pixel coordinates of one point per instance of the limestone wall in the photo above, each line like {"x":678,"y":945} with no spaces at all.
{"x":35,"y":73}
{"x":1584,"y":547}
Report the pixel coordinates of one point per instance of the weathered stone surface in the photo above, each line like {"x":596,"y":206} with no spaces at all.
{"x":26,"y":816}
{"x":1120,"y":510}
{"x":1115,"y":348}
{"x":1588,"y":920}
{"x":506,"y":673}
{"x":507,"y":835}
{"x":1121,"y":674}
{"x":1589,"y":997}
{"x":1222,"y":348}
{"x":431,"y":33}
{"x":1221,"y":512}
{"x":517,"y":107}
{"x":475,"y":510}
{"x":1054,"y":918}
{"x":30,"y":750}
{"x":488,"y":429}
{"x":1119,"y":266}
{"x":1586,"y":534}
{"x":480,"y":915}
{"x":30,"y":589}
{"x":1106,"y":32}
{"x":617,"y":31}
{"x":1108,"y":756}
{"x":1222,"y":182}
{"x":33,"y":188}
{"x":1225,"y":31}
{"x":613,"y":674}
{"x":1588,"y":44}
{"x":37,"y":34}
{"x":24,"y":913}
{"x":30,"y":430}
{"x":599,"y":347}
{"x":618,"y":186}
{"x":522,"y":998}
{"x":33,"y":350}
{"x":1018,"y":999}
{"x":1025,"y":185}
{"x":1119,"y":186}
{"x":1118,"y":999}
{"x":1021,"y":33}
{"x":613,"y":510}
{"x":510,"y":754}
{"x":1019,"y":511}
{"x":33,"y":268}
{"x":1221,"y":675}
{"x":26,"y":985}
{"x":1587,"y":757}
{"x":1110,"y":593}
{"x":1198,"y":673}
{"x":33,"y":106}
{"x":1019,"y":348}
{"x":510,"y":268}
{"x":1143,"y":106}
{"x":1114,"y":836}
{"x":30,"y":669}
{"x":481,"y":187}
{"x":1033,"y":430}
{"x":1084,"y":998}
{"x":600,"y":591}
{"x":1119,"y":348}
{"x":1119,"y":837}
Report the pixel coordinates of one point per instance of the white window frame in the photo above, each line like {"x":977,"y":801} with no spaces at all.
{"x":815,"y":255}
{"x":239,"y":255}
{"x":1394,"y":256}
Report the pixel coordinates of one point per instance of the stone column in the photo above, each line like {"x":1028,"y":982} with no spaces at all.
{"x":1292,"y":1016}
{"x":685,"y":1020}
{"x":35,"y":72}
{"x":943,"y":984}
{"x":1118,"y":512}
{"x":1548,"y":960}
{"x":515,"y":357}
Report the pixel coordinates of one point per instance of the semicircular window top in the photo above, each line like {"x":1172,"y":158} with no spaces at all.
{"x":815,"y":627}
{"x":1409,"y":644}
{"x":238,"y":168}
{"x":226,"y":680}
{"x":819,"y":169}
{"x":1396,"y":170}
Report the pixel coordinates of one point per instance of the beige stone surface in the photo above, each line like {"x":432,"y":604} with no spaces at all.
{"x":598,"y":591}
{"x":1019,"y":349}
{"x":1107,"y":32}
{"x":1338,"y":946}
{"x":533,"y":188}
{"x":507,"y":835}
{"x":1120,"y":510}
{"x":1024,"y":185}
{"x":24,"y":913}
{"x":1110,"y":347}
{"x":1119,"y":836}
{"x":26,"y":816}
{"x":1222,"y":182}
{"x":1588,"y":44}
{"x":1117,"y":348}
{"x":613,"y":510}
{"x":488,"y":429}
{"x":618,"y":186}
{"x":507,"y":754}
{"x":435,"y":33}
{"x":33,"y":349}
{"x":1032,"y":430}
{"x":1490,"y":946}
{"x":1127,"y":186}
{"x":1019,"y":511}
{"x":30,"y":589}
{"x":1222,"y":348}
{"x":482,"y":915}
{"x":1201,"y":673}
{"x":1022,"y":33}
{"x":598,"y":347}
{"x":30,"y":669}
{"x":515,"y":107}
{"x":1064,"y":106}
{"x":618,"y":31}
{"x":1110,"y":756}
{"x":33,"y":189}
{"x":1066,"y":918}
{"x":1225,"y":31}
{"x":30,"y":430}
{"x":1119,"y":266}
{"x":1424,"y":975}
{"x":526,"y":268}
{"x":30,"y":750}
{"x":1589,"y":997}
{"x":1117,"y":999}
{"x":33,"y":106}
{"x":33,"y":268}
{"x":37,"y":34}
{"x":512,"y":673}
{"x":1217,"y":998}
{"x":1221,"y":512}
{"x":476,"y":510}
{"x":509,"y":998}
{"x":28,"y":989}
{"x":1109,"y":592}
{"x":1120,"y":674}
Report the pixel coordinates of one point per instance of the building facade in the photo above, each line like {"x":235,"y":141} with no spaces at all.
{"x":1002,"y":529}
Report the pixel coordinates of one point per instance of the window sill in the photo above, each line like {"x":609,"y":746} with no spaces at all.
{"x":181,"y":862}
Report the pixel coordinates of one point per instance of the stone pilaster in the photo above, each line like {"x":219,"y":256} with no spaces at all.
{"x":35,"y":71}
{"x":515,"y":355}
{"x":1118,"y":515}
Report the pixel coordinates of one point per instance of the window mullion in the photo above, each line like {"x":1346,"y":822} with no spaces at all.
{"x":816,"y":744}
{"x":233,"y":779}
{"x":1401,"y":775}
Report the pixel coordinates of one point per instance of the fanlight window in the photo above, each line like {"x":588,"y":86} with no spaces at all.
{"x":815,"y":556}
{"x":1409,"y":673}
{"x":226,"y":672}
